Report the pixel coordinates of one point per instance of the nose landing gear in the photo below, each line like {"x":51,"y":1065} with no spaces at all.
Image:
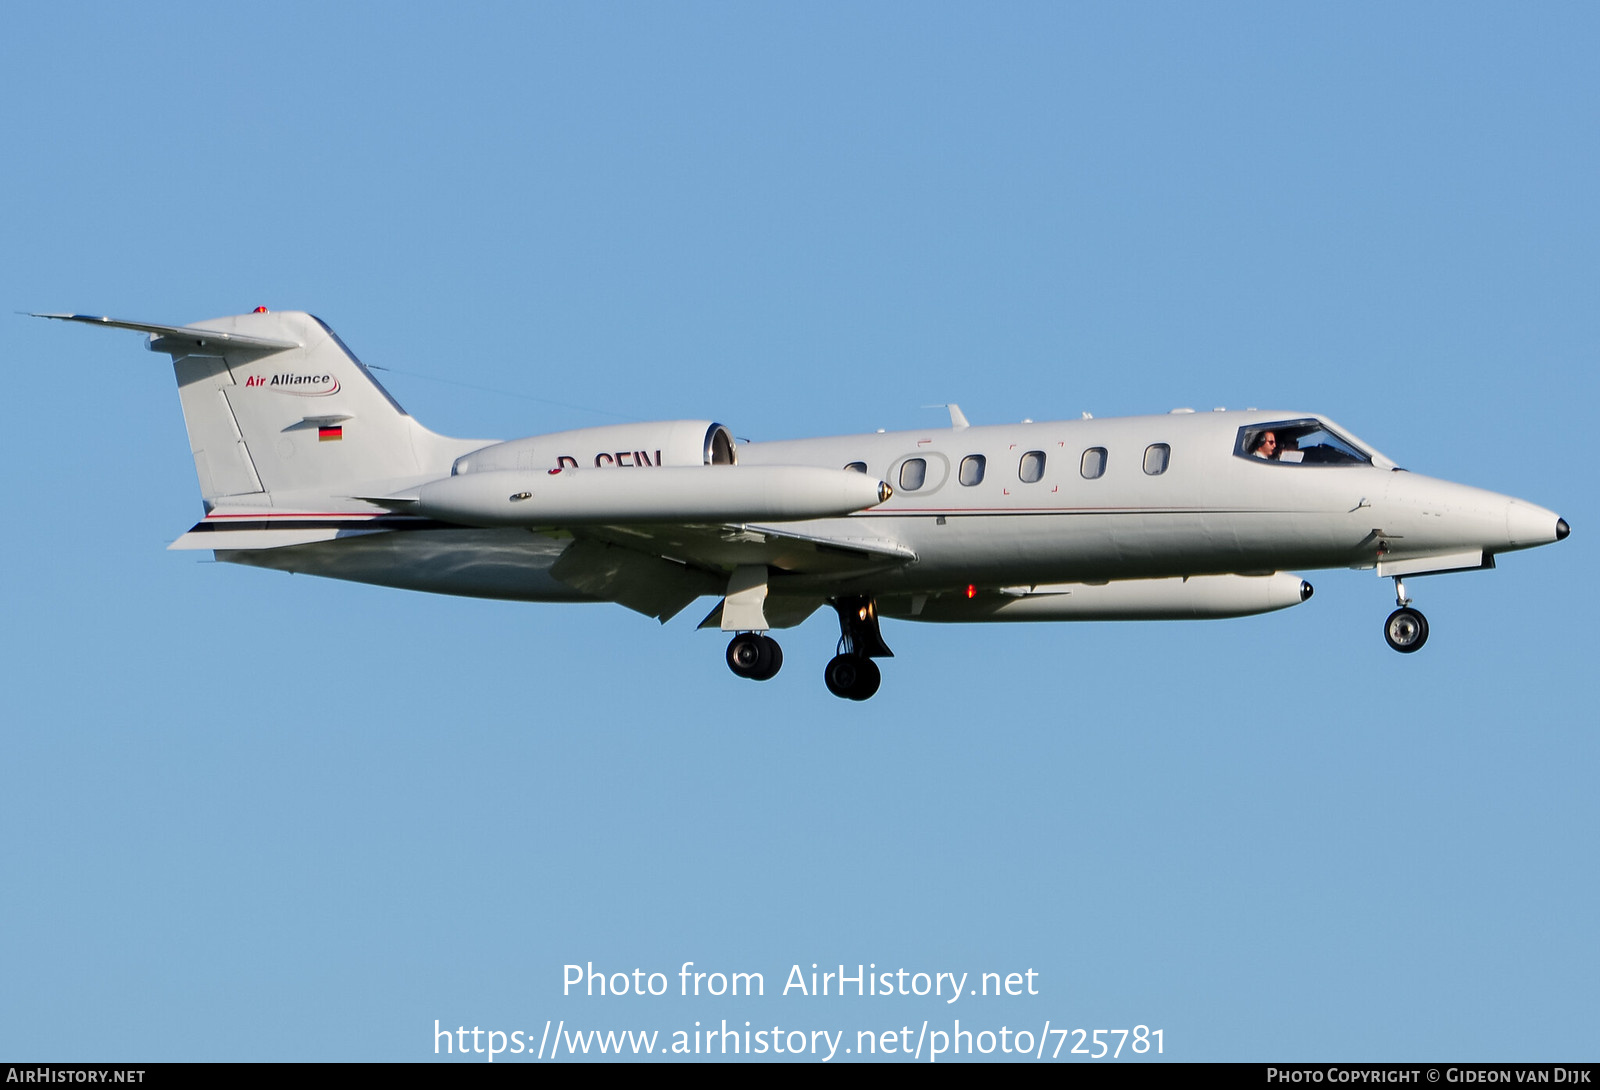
{"x":1406,"y":630}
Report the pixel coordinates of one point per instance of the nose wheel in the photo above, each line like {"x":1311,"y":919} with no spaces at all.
{"x":755,"y":656}
{"x":1406,"y":630}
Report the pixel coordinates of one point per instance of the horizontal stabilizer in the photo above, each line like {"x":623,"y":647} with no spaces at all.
{"x":182,"y":334}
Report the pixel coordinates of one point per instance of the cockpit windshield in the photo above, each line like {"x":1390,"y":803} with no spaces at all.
{"x":1299,"y":442}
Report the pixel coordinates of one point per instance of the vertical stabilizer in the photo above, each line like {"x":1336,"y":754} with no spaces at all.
{"x":275,"y":403}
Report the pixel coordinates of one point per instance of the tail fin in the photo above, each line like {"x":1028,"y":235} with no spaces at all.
{"x":275,"y":403}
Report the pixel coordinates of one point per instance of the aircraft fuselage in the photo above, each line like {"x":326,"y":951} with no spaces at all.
{"x":306,"y":464}
{"x":1210,"y":509}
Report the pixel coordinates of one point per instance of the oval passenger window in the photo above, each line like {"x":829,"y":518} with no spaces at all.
{"x":913,"y":471}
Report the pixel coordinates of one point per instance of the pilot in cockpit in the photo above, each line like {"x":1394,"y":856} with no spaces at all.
{"x":1308,"y":441}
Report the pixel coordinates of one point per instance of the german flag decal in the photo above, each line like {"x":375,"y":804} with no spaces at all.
{"x":327,"y":435}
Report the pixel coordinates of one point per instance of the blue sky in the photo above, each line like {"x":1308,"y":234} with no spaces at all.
{"x":256,"y":816}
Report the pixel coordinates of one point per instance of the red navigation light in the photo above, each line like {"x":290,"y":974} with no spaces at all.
{"x":972,"y":591}
{"x":261,"y":310}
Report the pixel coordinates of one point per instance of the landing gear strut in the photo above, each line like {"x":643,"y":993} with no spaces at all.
{"x":755,"y":656}
{"x":1406,"y":629}
{"x":852,"y":674}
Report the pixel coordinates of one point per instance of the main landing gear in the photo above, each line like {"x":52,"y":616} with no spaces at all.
{"x":853,"y":677}
{"x":851,"y":674}
{"x":1406,"y":629}
{"x":755,"y":656}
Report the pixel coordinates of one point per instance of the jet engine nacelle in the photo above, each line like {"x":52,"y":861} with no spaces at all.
{"x":1199,"y":596}
{"x":684,"y":494}
{"x":651,"y":444}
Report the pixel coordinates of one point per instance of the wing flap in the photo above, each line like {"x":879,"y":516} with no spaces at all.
{"x":645,"y":583}
{"x":657,"y":569}
{"x":726,"y":547}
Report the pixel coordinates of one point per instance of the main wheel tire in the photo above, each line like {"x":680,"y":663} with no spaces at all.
{"x":868,"y":678}
{"x":746,"y":654}
{"x":840,"y":675}
{"x":852,"y":677}
{"x":1406,"y":630}
{"x":771,"y":659}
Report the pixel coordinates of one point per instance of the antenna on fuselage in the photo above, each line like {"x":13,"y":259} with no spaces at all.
{"x":958,"y":419}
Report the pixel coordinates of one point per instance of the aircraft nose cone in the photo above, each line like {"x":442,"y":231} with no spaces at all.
{"x":1527,"y":525}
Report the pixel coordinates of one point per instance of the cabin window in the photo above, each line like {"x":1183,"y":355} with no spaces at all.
{"x":1299,"y":442}
{"x":972,"y":470}
{"x":1031,"y":468}
{"x":859,"y":467}
{"x":913,"y":471}
{"x":1093,"y":464}
{"x":1156,"y":456}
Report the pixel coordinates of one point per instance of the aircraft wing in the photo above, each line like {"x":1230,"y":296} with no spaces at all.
{"x":729,"y":546}
{"x":659,"y":569}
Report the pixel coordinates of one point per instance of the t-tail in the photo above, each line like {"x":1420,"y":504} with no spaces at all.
{"x":282,"y":416}
{"x":288,"y":431}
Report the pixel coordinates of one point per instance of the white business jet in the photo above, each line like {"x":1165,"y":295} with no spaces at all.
{"x":306,"y":464}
